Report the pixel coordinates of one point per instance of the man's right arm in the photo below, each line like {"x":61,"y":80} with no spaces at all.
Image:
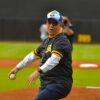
{"x":27,"y":60}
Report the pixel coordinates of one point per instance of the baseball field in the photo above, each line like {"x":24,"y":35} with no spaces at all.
{"x":86,"y":72}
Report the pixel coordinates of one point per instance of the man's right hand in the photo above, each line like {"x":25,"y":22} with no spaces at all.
{"x":13,"y":71}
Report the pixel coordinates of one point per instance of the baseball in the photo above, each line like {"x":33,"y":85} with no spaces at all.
{"x":12,"y":76}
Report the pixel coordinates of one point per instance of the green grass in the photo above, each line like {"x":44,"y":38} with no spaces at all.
{"x":86,"y":52}
{"x":82,"y":78}
{"x":16,"y":49}
{"x":21,"y":81}
{"x":86,"y":77}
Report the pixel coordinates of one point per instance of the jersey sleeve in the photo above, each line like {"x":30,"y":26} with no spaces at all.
{"x":38,"y":52}
{"x":61,"y":47}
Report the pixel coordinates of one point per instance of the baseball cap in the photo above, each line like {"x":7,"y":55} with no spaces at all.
{"x":54,"y":15}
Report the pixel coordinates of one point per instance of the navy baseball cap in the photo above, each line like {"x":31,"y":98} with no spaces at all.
{"x":54,"y":15}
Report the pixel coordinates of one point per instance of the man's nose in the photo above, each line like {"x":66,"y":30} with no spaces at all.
{"x":51,"y":24}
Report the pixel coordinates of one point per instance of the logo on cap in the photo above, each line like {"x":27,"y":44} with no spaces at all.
{"x":54,"y":15}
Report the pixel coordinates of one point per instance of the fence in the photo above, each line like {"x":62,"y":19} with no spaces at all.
{"x":21,"y":19}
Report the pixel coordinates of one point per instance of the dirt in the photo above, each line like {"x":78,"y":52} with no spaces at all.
{"x":13,"y":62}
{"x":29,"y":94}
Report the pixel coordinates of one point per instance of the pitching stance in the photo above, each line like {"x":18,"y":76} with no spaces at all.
{"x":55,"y":70}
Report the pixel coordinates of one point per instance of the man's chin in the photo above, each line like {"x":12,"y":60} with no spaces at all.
{"x":51,"y":34}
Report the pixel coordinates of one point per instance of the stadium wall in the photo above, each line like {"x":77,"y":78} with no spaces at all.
{"x":21,"y":19}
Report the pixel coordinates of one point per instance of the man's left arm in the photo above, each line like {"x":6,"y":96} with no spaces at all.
{"x":48,"y":65}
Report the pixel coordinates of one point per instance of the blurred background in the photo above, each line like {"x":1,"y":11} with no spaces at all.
{"x":20,"y":22}
{"x":21,"y":19}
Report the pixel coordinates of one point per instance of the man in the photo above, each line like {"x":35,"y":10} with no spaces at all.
{"x":68,"y":29}
{"x":55,"y":70}
{"x":43,"y":32}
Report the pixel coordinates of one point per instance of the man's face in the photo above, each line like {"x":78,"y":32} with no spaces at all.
{"x":53,"y":26}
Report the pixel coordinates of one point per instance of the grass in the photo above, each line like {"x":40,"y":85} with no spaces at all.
{"x":16,"y":49}
{"x":21,"y":81}
{"x":85,"y":52}
{"x":86,"y":77}
{"x":81,"y":77}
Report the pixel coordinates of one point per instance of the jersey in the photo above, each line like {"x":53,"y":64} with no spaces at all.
{"x":62,"y":73}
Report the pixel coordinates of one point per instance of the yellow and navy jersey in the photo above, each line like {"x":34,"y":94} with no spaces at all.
{"x":60,"y":46}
